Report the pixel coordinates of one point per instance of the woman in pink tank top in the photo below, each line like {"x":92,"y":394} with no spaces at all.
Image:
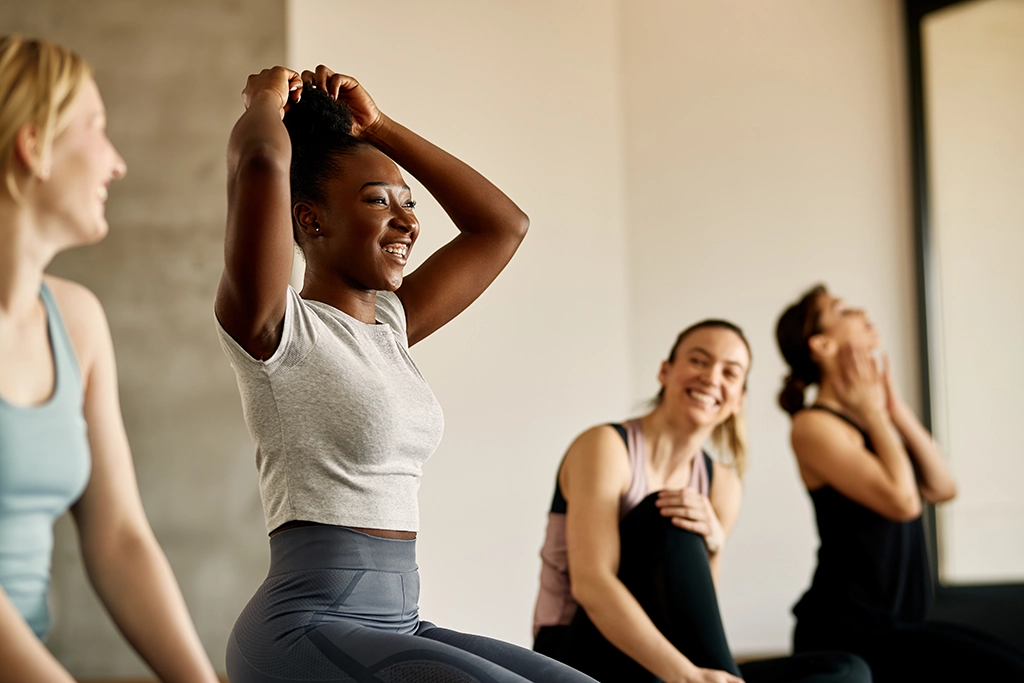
{"x":638,"y":522}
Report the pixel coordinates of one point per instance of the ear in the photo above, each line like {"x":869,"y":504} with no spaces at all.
{"x":28,"y":150}
{"x":822,"y":346}
{"x":663,"y":372}
{"x":304,"y":215}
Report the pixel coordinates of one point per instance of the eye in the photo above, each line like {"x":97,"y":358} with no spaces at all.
{"x":411,"y":204}
{"x":383,"y":201}
{"x":698,"y":361}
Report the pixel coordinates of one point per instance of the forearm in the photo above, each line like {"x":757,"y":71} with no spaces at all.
{"x":259,"y":131}
{"x":133,"y":579}
{"x":623,"y":621}
{"x":474,"y":204}
{"x":23,"y":657}
{"x":933,"y":473}
{"x":894,"y":458}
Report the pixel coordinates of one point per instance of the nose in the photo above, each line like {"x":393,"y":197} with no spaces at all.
{"x":120,"y":167}
{"x":405,"y":221}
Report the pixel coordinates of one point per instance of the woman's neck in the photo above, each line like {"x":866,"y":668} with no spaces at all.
{"x":828,"y":395}
{"x":672,"y":442}
{"x":23,"y":257}
{"x":358,"y":303}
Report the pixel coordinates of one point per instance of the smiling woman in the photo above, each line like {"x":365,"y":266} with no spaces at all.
{"x":637,"y":527}
{"x":341,"y":417}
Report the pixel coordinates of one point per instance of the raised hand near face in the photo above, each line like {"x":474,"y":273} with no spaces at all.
{"x":861,"y":387}
{"x":365,"y":115}
{"x":692,"y":511}
{"x":280,"y":84}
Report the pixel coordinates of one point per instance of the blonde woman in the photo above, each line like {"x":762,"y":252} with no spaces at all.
{"x":62,"y":441}
{"x":637,"y":529}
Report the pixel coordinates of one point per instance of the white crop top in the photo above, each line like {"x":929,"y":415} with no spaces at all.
{"x":341,"y":418}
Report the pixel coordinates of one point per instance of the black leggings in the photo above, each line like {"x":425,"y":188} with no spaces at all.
{"x":933,"y":651}
{"x":666,"y":569}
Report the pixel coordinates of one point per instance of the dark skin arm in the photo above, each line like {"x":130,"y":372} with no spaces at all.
{"x":252,"y":294}
{"x":490,"y":225}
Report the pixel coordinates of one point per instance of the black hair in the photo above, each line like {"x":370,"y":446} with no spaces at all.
{"x":796,"y":326}
{"x":320,"y":129}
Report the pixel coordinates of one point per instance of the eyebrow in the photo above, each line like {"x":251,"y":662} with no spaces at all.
{"x":379,"y":183}
{"x":709,"y":355}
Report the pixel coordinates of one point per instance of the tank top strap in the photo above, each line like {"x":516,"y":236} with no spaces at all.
{"x":65,"y":363}
{"x":700,"y":477}
{"x":637,"y":489}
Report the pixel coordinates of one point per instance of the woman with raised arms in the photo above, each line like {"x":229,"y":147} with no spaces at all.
{"x":341,"y":418}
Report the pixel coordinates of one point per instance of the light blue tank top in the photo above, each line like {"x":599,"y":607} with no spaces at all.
{"x":44,"y":468}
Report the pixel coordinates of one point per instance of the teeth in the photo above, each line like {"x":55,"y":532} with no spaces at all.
{"x":103,"y":193}
{"x":707,"y":400}
{"x":397,"y":249}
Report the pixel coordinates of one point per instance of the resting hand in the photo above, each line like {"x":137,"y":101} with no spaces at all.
{"x":692,"y":511}
{"x":711,"y":676}
{"x":861,"y":387}
{"x":365,"y":115}
{"x":280,"y":84}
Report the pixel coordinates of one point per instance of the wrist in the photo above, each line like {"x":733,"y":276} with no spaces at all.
{"x":379,"y":131}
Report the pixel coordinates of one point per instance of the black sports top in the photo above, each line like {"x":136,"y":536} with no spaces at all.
{"x":872,"y":571}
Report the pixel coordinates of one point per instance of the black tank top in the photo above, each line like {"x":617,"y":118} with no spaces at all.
{"x":872,"y":572}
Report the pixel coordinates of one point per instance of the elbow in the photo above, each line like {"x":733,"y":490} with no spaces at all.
{"x":906,"y":509}
{"x":942,"y":494}
{"x":586,"y":591}
{"x":521,"y":225}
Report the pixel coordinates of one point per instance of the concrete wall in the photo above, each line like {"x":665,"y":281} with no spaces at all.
{"x":170,"y":74}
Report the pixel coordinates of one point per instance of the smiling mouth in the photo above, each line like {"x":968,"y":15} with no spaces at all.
{"x":398,"y":250}
{"x":103,"y":193}
{"x":706,"y":400}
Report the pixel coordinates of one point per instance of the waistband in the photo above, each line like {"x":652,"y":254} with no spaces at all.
{"x":337,"y":547}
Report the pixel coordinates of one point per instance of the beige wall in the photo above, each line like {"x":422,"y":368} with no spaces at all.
{"x":972,"y":54}
{"x":527,"y":93}
{"x":765,"y":151}
{"x":170,"y":74}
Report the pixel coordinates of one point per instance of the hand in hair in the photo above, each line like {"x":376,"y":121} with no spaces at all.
{"x":365,"y":114}
{"x":861,"y":388}
{"x":692,"y":511}
{"x":279,"y":83}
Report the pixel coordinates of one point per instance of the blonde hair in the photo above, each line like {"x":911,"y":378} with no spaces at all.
{"x":731,"y":437}
{"x":38,"y":83}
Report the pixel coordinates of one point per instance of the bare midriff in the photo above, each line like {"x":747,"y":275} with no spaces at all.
{"x":379,"y":533}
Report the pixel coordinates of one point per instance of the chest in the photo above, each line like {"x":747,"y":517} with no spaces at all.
{"x":27,"y":372}
{"x":44,"y":458}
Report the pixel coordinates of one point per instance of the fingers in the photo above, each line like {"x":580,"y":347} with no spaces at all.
{"x":325,"y":79}
{"x":696,"y":527}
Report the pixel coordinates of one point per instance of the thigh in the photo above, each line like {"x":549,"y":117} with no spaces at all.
{"x":346,"y":652}
{"x":810,"y":667}
{"x":526,"y":663}
{"x":939,"y":653}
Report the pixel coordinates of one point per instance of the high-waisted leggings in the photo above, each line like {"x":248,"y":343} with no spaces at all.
{"x":339,"y":605}
{"x":666,"y":569}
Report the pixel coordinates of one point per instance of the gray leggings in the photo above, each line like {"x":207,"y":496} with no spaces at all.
{"x":339,"y":605}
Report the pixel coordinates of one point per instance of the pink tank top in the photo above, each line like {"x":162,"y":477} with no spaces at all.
{"x":555,"y":605}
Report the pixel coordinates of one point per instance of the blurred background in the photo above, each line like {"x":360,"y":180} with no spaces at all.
{"x":679,"y":159}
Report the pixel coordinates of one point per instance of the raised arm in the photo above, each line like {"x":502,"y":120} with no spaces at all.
{"x":122,"y":558}
{"x":933,"y":475}
{"x":490,"y":225}
{"x":593,"y":476}
{"x":252,"y":294}
{"x":832,"y":452}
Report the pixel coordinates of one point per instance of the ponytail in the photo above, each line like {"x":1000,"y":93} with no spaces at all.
{"x":796,"y":326}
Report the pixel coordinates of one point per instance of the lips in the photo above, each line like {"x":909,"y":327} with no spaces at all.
{"x":706,"y":400}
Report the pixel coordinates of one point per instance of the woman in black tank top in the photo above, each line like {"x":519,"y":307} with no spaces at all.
{"x":867,"y":462}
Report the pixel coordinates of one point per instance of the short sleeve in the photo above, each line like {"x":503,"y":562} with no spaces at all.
{"x":298,"y":337}
{"x":391,"y":312}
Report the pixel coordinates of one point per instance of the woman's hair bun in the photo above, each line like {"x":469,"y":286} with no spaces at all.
{"x":317,"y":115}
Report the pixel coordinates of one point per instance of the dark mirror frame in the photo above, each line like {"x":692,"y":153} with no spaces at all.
{"x":996,"y":608}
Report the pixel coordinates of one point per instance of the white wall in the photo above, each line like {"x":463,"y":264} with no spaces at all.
{"x":976,"y":152}
{"x":527,"y":93}
{"x":679,"y":160}
{"x":765,"y":152}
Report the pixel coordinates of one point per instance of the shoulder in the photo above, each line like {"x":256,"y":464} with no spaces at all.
{"x":813,"y":429}
{"x":725,"y":480}
{"x":83,"y":317}
{"x":391,"y":311}
{"x":597,"y":457}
